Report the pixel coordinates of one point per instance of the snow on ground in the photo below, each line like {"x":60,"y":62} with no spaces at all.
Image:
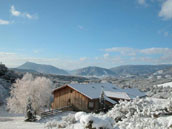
{"x":161,"y":103}
{"x":134,"y":115}
{"x":165,"y":120}
{"x":16,"y":121}
{"x":168,"y":84}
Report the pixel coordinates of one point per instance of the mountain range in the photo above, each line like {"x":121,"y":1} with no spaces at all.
{"x":93,"y":71}
{"x":139,"y":70}
{"x":125,"y":70}
{"x":41,"y":68}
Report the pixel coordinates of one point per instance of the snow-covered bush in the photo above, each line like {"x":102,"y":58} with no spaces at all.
{"x":38,"y":90}
{"x":78,"y":115}
{"x":137,"y":122}
{"x":70,"y":119}
{"x":94,"y":121}
{"x":170,"y":103}
{"x":140,"y":114}
{"x":136,"y":114}
{"x":142,"y":107}
{"x":170,"y":124}
{"x":50,"y":125}
{"x":64,"y":120}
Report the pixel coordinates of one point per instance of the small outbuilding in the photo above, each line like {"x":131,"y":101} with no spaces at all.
{"x":86,"y":97}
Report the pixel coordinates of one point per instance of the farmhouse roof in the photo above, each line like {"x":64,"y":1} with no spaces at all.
{"x":93,"y":90}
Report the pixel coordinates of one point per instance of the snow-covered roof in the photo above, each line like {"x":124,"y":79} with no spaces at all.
{"x":120,"y":95}
{"x":93,"y":90}
{"x":129,"y":93}
{"x":133,"y":93}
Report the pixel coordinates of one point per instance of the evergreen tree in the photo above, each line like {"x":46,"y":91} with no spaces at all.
{"x":30,"y":112}
{"x":102,"y":101}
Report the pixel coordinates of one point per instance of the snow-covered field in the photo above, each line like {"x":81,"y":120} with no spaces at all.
{"x":168,"y":84}
{"x":136,"y":114}
{"x":18,"y":123}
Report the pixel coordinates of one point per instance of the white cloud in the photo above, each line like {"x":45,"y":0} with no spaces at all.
{"x":80,"y":27}
{"x":14,"y":12}
{"x":13,"y":60}
{"x":4,"y":22}
{"x":142,"y":2}
{"x":126,"y":51}
{"x":4,"y":54}
{"x":141,"y":56}
{"x":122,"y":50}
{"x":162,"y":51}
{"x":29,"y":16}
{"x":165,"y":31}
{"x":108,"y":60}
{"x":83,"y":58}
{"x":96,"y":58}
{"x":166,"y":34}
{"x":17,"y":13}
{"x":119,"y":49}
{"x":166,"y":10}
{"x":37,"y":51}
{"x":106,"y":55}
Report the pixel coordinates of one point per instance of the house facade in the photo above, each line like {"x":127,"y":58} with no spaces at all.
{"x":86,"y":97}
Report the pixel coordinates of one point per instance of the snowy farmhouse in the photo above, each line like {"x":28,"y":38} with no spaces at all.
{"x":86,"y":97}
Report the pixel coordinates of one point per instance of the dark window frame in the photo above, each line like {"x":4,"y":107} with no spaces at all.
{"x":89,"y":107}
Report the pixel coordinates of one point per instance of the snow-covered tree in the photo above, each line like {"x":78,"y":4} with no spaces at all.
{"x":30,"y":115}
{"x":38,"y":90}
{"x":103,"y":106}
{"x":102,"y":100}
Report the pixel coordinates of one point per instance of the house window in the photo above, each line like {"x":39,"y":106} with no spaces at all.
{"x":69,"y":102}
{"x":90,"y":104}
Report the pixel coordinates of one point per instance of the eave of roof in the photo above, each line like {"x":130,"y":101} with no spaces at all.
{"x":61,"y":87}
{"x":73,"y":89}
{"x":110,"y":100}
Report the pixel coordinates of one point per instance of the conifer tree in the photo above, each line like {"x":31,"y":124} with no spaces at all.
{"x":30,"y":112}
{"x":102,"y":101}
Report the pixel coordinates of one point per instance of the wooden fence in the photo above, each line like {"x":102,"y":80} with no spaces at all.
{"x":54,"y":111}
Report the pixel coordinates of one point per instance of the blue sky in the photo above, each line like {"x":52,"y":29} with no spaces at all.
{"x":72,"y":34}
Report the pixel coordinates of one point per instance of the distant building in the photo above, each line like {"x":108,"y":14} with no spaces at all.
{"x":85,"y":97}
